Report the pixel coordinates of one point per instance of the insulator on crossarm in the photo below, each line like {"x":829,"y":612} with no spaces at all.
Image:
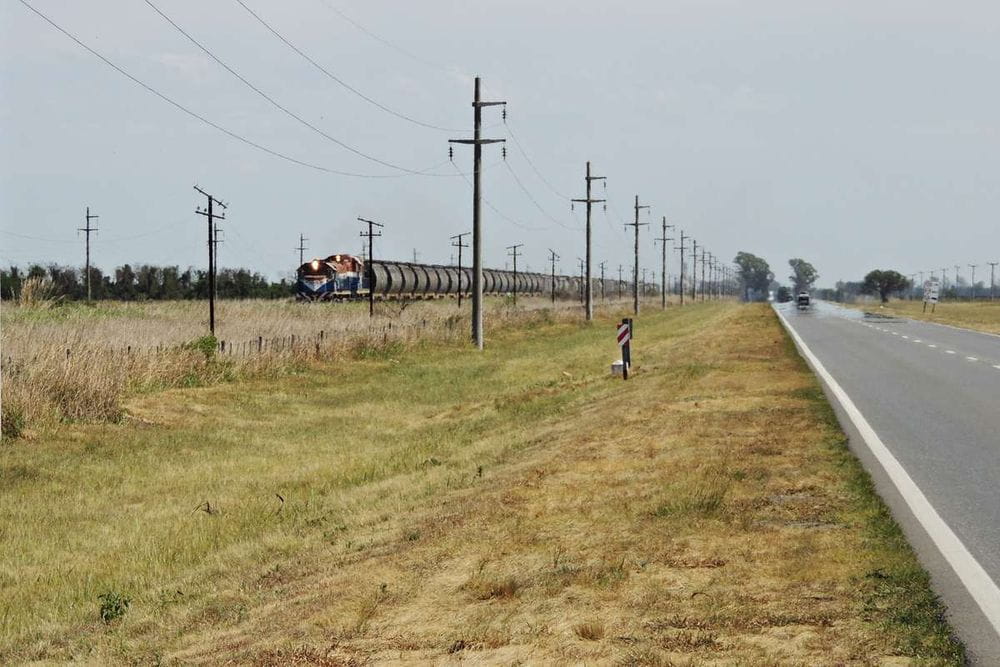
{"x":451,"y":153}
{"x":605,"y":208}
{"x":503,"y":152}
{"x":503,"y":114}
{"x":572,"y":206}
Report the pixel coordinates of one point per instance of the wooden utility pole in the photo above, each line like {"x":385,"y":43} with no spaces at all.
{"x":87,"y":229}
{"x":589,"y":201}
{"x":513,"y":253}
{"x":456,"y":241}
{"x":370,"y":269}
{"x":680,"y":284}
{"x":635,"y":267}
{"x":663,"y":266}
{"x":552,"y":258}
{"x":302,"y":248}
{"x":212,"y":216}
{"x":477,"y":237}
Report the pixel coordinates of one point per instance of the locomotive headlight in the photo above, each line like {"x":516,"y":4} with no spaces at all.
{"x":337,"y":258}
{"x":315,"y":265}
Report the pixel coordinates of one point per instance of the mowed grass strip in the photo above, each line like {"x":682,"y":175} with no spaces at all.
{"x":979,"y":315}
{"x":514,"y":505}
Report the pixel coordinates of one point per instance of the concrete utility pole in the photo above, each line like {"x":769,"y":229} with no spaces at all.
{"x":477,"y":237}
{"x":210,"y":214}
{"x":703,"y":273}
{"x":371,"y":234}
{"x":302,"y":249}
{"x":635,"y":267}
{"x":680,"y":282}
{"x":663,"y":265}
{"x":694,"y":271}
{"x":589,"y":201}
{"x":973,"y":267}
{"x":993,"y":267}
{"x":456,"y":241}
{"x":87,"y":229}
{"x":513,"y":253}
{"x":602,"y":280}
{"x":619,"y":282}
{"x":553,"y":257}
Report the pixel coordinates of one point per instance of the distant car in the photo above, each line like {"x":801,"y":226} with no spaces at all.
{"x":802,"y":301}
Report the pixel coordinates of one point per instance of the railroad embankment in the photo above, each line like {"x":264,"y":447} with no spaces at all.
{"x":438,"y":504}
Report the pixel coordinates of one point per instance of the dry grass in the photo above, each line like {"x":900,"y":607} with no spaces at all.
{"x":980,"y":315}
{"x":76,"y":362}
{"x":513,"y":506}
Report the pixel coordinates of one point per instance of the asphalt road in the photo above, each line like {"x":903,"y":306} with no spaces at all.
{"x":931,"y":394}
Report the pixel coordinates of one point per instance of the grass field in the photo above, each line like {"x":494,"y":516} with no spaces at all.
{"x":981,"y":315}
{"x":73,"y":362}
{"x":516,"y":505}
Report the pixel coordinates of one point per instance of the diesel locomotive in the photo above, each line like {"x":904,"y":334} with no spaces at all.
{"x":343,"y":277}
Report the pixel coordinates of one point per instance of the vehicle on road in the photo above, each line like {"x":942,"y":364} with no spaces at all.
{"x":802,"y":301}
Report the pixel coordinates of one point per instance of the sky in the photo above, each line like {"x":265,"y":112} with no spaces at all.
{"x":853,"y":134}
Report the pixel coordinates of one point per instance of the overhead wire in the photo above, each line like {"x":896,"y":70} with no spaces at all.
{"x":498,"y":211}
{"x":340,"y":81}
{"x":541,"y":176}
{"x":395,"y":47}
{"x":278,"y":105}
{"x":535,"y":201}
{"x":203,"y":119}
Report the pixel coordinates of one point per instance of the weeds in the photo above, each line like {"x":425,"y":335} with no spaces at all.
{"x":113,"y":606}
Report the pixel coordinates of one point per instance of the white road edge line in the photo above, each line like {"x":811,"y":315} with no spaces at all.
{"x":972,"y":358}
{"x":972,"y":575}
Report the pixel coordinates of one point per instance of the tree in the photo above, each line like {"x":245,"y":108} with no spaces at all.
{"x":884,"y":283}
{"x":755,"y":274}
{"x":803,"y":275}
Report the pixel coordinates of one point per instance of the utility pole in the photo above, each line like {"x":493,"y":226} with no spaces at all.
{"x":302,"y":249}
{"x":973,"y":267}
{"x":589,"y":307}
{"x":694,"y":271}
{"x":513,"y":253}
{"x":415,"y":258}
{"x":87,"y":229}
{"x":582,"y":288}
{"x":644,"y":282}
{"x":619,"y":282}
{"x":371,"y":234}
{"x":210,"y":214}
{"x":703,"y":273}
{"x":456,"y":241}
{"x":635,"y":267}
{"x":663,"y":266}
{"x":477,"y":236}
{"x":602,"y":280}
{"x":553,"y":257}
{"x":680,"y":284}
{"x":993,"y":267}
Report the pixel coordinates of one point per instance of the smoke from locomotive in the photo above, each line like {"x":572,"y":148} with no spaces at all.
{"x":347,"y":277}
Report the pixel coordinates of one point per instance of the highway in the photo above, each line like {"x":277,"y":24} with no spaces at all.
{"x":921,"y":405}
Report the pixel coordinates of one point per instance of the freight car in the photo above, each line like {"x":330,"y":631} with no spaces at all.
{"x":346,"y":277}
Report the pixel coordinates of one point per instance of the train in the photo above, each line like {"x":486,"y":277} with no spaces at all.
{"x":345,"y":277}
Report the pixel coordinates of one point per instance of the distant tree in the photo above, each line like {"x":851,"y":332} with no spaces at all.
{"x":755,"y":274}
{"x":803,"y":275}
{"x":884,"y":283}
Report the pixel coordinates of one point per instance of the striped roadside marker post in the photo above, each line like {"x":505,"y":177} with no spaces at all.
{"x":624,"y":336}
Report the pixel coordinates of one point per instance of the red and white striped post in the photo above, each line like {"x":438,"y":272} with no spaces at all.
{"x":624,"y":338}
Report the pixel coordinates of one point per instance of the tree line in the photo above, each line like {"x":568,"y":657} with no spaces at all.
{"x":142,"y":282}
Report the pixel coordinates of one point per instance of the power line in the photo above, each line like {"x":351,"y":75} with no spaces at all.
{"x":275,"y":103}
{"x":535,"y":201}
{"x":386,"y":42}
{"x":340,"y":81}
{"x":520,"y":148}
{"x":493,"y":208}
{"x":206,"y":121}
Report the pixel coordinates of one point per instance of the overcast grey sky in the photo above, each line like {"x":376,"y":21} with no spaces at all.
{"x":854,"y":134}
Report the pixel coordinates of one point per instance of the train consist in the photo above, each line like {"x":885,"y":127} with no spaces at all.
{"x":340,"y":277}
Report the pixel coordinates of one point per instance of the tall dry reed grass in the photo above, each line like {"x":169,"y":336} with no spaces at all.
{"x":73,"y":362}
